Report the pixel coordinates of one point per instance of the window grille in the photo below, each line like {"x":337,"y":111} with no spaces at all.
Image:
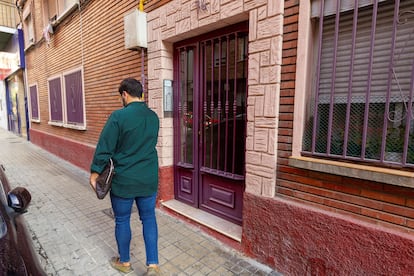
{"x":362,"y":98}
{"x":224,"y":89}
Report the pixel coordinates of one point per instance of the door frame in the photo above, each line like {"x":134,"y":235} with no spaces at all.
{"x":196,"y":175}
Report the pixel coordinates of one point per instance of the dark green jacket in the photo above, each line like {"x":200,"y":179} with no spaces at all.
{"x":129,"y":137}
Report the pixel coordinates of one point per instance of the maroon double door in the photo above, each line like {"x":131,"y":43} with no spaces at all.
{"x":210,"y":88}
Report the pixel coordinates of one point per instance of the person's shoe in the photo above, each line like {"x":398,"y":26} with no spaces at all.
{"x":116,"y":264}
{"x":153,"y":271}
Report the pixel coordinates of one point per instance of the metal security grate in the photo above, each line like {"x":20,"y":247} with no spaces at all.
{"x":212,"y":106}
{"x":362,"y":106}
{"x":224,"y":89}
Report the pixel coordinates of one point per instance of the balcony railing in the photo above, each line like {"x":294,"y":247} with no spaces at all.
{"x":8,"y":14}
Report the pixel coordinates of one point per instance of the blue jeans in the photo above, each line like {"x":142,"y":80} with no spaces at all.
{"x":146,"y":210}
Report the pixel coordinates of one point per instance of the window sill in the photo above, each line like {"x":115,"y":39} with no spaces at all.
{"x":75,"y":127}
{"x":35,"y":121}
{"x":384,"y":175}
{"x":61,"y":124}
{"x":58,"y":124}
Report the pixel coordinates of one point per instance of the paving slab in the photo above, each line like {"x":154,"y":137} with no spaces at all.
{"x":73,"y":231}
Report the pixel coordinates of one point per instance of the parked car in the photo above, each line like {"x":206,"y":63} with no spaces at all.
{"x":17,"y":254}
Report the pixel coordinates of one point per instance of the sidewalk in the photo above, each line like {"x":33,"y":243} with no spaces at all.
{"x":73,"y":231}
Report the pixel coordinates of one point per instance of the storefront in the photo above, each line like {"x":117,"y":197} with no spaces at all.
{"x":13,"y":103}
{"x":3,"y":106}
{"x":16,"y":104}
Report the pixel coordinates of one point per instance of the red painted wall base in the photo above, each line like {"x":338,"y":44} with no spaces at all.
{"x":297,"y":239}
{"x":69,"y":150}
{"x":166,"y":186}
{"x":81,"y":155}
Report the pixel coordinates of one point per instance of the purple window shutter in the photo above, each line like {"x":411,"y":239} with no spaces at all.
{"x":33,"y":102}
{"x":55,"y":90}
{"x":74,"y":98}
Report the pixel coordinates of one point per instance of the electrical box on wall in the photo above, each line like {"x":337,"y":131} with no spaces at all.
{"x":135,"y":29}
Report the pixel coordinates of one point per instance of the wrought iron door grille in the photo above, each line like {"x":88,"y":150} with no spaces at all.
{"x":212,"y":104}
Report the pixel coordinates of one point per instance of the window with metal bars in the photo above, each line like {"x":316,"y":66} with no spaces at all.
{"x":362,"y":97}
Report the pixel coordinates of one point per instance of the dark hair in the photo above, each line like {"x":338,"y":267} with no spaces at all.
{"x":132,"y":86}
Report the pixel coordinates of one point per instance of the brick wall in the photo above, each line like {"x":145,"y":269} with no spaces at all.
{"x":286,"y":209}
{"x":287,"y":85}
{"x":378,"y":203}
{"x":150,"y":5}
{"x":366,"y":200}
{"x":93,"y":40}
{"x":319,"y":223}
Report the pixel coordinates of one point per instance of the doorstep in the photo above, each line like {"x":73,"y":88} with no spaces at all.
{"x":218,"y":224}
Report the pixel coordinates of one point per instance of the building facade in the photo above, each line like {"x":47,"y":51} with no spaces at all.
{"x":13,"y":100}
{"x":286,"y":122}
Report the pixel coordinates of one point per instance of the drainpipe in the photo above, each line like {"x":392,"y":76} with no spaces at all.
{"x":25,"y":81}
{"x":20,"y":36}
